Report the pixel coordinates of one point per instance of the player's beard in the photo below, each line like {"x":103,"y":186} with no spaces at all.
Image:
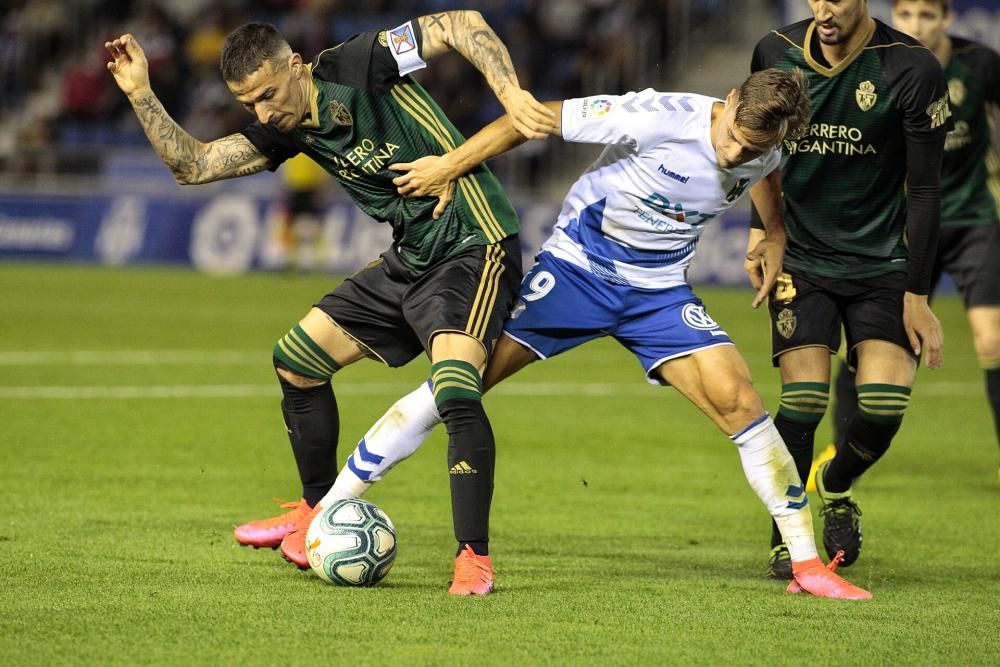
{"x":832,"y":40}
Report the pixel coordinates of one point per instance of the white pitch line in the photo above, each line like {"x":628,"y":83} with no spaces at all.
{"x":390,"y":390}
{"x":132,"y":357}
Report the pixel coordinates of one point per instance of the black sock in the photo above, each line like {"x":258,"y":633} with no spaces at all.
{"x":313,"y":425}
{"x":993,"y":392}
{"x":866,"y":443}
{"x":798,"y":437}
{"x":471,"y":460}
{"x":845,"y":404}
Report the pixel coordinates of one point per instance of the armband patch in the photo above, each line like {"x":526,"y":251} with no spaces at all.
{"x":403,"y":47}
{"x":402,"y":39}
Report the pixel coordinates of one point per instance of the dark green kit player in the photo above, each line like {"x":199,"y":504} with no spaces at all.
{"x":969,"y":250}
{"x":445,"y":286}
{"x":862,"y":210}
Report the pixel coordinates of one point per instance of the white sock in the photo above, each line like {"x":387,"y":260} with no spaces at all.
{"x":393,"y":438}
{"x":771,"y":472}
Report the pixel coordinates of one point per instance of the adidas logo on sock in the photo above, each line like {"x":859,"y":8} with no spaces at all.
{"x":462,"y":468}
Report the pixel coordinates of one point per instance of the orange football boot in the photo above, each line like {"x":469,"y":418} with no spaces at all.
{"x":270,"y":532}
{"x":473,"y":574}
{"x":293,"y":547}
{"x":822,"y":581}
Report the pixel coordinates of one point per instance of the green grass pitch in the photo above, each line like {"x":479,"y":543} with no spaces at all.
{"x":140,"y":422}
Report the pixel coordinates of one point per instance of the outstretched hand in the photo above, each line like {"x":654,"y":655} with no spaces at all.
{"x":129,"y":67}
{"x":529,"y":116}
{"x":763,"y":265}
{"x":430,"y":176}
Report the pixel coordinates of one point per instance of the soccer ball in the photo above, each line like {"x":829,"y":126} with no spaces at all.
{"x":351,"y":543}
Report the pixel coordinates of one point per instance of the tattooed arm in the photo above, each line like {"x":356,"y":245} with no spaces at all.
{"x":191,"y":161}
{"x":467,"y":32}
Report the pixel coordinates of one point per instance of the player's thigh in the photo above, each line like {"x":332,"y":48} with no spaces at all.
{"x":883,"y":362}
{"x":873,"y":312}
{"x":805,"y":364}
{"x":805,"y":327}
{"x":508,"y":358}
{"x":323,"y":331}
{"x":367,"y":309}
{"x":460,"y":346}
{"x":717,"y":380}
{"x":561,"y":306}
{"x":658,"y":326}
{"x":458,"y":307}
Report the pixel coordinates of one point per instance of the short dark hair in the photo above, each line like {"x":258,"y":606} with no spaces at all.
{"x":246,"y":49}
{"x":774,"y":104}
{"x":945,"y":5}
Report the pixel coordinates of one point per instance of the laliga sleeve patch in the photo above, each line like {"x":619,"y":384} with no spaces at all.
{"x":403,"y":47}
{"x":593,"y":108}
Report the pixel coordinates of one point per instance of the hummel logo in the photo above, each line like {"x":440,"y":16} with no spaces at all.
{"x":463,"y":468}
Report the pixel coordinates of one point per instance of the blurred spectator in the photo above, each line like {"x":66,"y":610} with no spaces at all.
{"x":561,"y":48}
{"x":86,"y":87}
{"x":304,"y":184}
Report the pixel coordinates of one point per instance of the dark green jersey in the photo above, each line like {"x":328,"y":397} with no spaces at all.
{"x":970,"y":173}
{"x":845,"y":201}
{"x":367,"y":113}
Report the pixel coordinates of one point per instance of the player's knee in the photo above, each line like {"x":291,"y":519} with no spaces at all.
{"x":455,"y":380}
{"x":883,"y":403}
{"x":804,"y":402}
{"x":301,"y":362}
{"x":987,"y":347}
{"x":295,"y":379}
{"x":737,"y":402}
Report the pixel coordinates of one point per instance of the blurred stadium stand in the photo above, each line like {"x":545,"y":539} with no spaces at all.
{"x":64,"y":119}
{"x":78,"y":179}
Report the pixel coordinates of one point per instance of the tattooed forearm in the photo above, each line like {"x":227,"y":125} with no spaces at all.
{"x":192,"y":161}
{"x":234,"y":156}
{"x":178,"y":149}
{"x":468,"y":33}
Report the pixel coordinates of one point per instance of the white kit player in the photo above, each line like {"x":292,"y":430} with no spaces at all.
{"x":616,"y":265}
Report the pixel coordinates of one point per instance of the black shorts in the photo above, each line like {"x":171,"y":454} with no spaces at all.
{"x":971,"y":256}
{"x":808,"y":311}
{"x":394,"y":312}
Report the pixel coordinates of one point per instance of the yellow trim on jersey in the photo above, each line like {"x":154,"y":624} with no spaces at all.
{"x":485,"y":210}
{"x":407,"y":106}
{"x":486,"y":294}
{"x":428,"y":112}
{"x":418,"y":108}
{"x":831,"y":72}
{"x":481,"y":209}
{"x":314,"y":119}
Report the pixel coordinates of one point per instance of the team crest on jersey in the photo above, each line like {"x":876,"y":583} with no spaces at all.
{"x":956,"y":92}
{"x":402,"y":39}
{"x":341,"y":116}
{"x":737,"y":190}
{"x":866,"y":95}
{"x":939,"y":111}
{"x":786,"y":323}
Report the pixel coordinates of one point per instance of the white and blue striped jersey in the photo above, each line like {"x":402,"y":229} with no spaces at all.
{"x":634,"y":217}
